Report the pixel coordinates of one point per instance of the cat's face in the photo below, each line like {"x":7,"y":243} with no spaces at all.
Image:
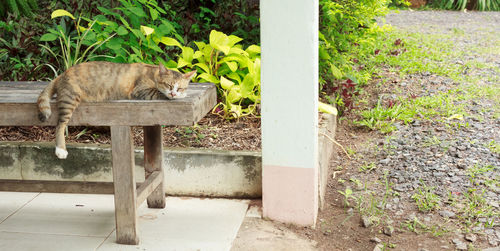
{"x":174,"y":84}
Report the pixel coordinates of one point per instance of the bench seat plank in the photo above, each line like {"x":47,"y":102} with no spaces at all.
{"x":18,"y":108}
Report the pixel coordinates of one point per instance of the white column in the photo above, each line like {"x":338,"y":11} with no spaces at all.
{"x":289,"y":41}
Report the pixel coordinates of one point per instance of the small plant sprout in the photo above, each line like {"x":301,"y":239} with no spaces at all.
{"x":347,"y":195}
{"x":425,"y":199}
{"x":367,"y":167}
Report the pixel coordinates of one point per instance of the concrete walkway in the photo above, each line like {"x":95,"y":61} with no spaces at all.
{"x":45,"y":221}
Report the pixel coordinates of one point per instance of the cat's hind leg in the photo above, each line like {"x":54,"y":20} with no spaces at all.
{"x":67,"y":101}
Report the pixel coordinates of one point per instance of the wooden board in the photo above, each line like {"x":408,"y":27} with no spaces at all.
{"x":18,"y":108}
{"x":46,"y":186}
{"x":122,"y":149}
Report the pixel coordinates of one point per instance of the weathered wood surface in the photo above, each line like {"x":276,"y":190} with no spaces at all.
{"x":18,"y":108}
{"x":153,"y":162}
{"x":122,"y":149}
{"x":149,"y":186}
{"x":46,"y":186}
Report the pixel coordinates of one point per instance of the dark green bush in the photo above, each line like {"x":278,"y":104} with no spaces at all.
{"x":348,"y":30}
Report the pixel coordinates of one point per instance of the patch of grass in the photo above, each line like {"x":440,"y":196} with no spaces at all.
{"x":494,"y":147}
{"x":425,"y":199}
{"x":441,"y":107}
{"x":431,"y":141}
{"x":418,"y":227}
{"x":368,"y":167}
{"x":474,"y":207}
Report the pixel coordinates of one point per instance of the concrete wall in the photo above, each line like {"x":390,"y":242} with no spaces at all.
{"x":187,"y":172}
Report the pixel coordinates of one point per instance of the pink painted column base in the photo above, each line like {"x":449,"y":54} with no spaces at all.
{"x":290,"y":194}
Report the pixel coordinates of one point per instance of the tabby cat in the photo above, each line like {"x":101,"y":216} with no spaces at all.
{"x":99,"y":81}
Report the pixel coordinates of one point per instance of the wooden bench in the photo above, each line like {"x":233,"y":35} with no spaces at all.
{"x":18,"y":108}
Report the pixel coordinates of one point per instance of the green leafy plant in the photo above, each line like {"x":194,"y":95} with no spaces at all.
{"x":72,"y":50}
{"x":234,"y":70}
{"x":494,"y":147}
{"x":367,"y":167}
{"x":140,"y":27}
{"x":425,"y":199}
{"x":347,"y":33}
{"x":195,"y":19}
{"x":19,"y":51}
{"x":18,"y":7}
{"x":482,"y":5}
{"x":348,"y":195}
{"x":416,"y":226}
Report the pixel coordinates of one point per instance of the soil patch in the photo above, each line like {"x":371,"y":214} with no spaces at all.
{"x":210,"y":132}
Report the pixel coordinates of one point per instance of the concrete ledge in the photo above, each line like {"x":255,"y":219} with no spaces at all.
{"x":327,"y":127}
{"x":206,"y":173}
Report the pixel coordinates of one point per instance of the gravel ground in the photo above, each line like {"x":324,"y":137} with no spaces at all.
{"x":436,"y":154}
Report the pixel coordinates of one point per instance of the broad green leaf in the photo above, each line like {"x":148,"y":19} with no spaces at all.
{"x":234,"y":94}
{"x":48,"y":37}
{"x":219,"y":41}
{"x":203,"y":66}
{"x":336,"y":72}
{"x":209,"y":78}
{"x":253,"y":49}
{"x":238,"y":51}
{"x":234,"y":76}
{"x":121,"y":31}
{"x":181,"y":63}
{"x":323,"y":54}
{"x":61,"y":13}
{"x":147,"y":30}
{"x":138,"y":34}
{"x":235,"y":57}
{"x":232,"y":65}
{"x":326,"y":108}
{"x":170,"y":42}
{"x":198,"y":54}
{"x":137,"y":11}
{"x":154,"y":13}
{"x":114,"y":43}
{"x":233,"y":40}
{"x":187,"y":54}
{"x":200,"y":45}
{"x":225,"y":83}
{"x":247,"y":85}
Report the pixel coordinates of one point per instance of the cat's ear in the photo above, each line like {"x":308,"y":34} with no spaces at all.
{"x":163,"y":70}
{"x":189,"y":75}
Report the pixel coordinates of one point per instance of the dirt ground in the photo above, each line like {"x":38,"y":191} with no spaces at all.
{"x":211,"y":132}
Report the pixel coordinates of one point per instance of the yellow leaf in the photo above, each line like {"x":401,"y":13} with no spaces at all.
{"x":147,"y":30}
{"x":226,"y":83}
{"x":61,"y":13}
{"x":325,"y":108}
{"x":456,"y":116}
{"x":170,"y":42}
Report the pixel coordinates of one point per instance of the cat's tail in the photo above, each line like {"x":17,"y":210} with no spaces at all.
{"x":43,"y":102}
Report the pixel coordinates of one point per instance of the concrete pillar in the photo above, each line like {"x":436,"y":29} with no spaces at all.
{"x":289,"y":42}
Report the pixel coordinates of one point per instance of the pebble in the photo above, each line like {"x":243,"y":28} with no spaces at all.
{"x":447,"y":214}
{"x":470,"y":237}
{"x":379,"y":247}
{"x":376,"y":240}
{"x":366,"y":221}
{"x":388,"y":230}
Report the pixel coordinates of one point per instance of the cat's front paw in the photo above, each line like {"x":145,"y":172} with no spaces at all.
{"x":61,"y":153}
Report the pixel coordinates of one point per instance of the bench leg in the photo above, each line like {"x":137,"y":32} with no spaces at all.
{"x":122,"y":148}
{"x":153,"y":161}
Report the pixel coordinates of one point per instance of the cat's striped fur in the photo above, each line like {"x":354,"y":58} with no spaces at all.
{"x":99,"y":81}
